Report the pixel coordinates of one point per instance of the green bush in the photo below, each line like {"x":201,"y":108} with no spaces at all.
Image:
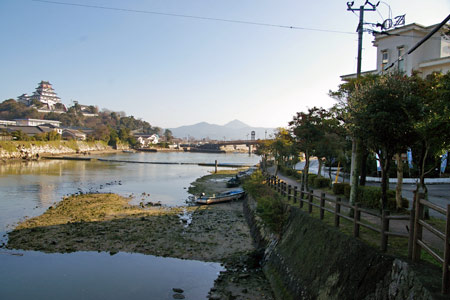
{"x":370,"y":197}
{"x":347,"y":189}
{"x":311,"y":178}
{"x":269,"y":205}
{"x":321,"y":182}
{"x":339,"y":188}
{"x":271,"y":210}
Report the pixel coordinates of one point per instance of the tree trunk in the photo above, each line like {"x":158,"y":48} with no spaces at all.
{"x":354,"y":173}
{"x":385,"y":164}
{"x":398,"y":189}
{"x":306,"y":171}
{"x":363,"y":164}
{"x":319,"y":173}
{"x":422,"y":187}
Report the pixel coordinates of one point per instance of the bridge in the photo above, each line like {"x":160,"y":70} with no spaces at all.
{"x":239,"y":142}
{"x":247,"y":143}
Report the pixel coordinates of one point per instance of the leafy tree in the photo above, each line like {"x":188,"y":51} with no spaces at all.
{"x":433,"y":126}
{"x":264,"y":149}
{"x":168,"y":135}
{"x":383,"y":113}
{"x":308,"y":130}
{"x":282,"y":148}
{"x":11,"y":109}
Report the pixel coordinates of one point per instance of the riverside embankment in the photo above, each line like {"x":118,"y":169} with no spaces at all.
{"x":308,"y":259}
{"x":10,"y":150}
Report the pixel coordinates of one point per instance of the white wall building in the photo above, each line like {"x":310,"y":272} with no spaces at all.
{"x":44,"y":94}
{"x":393,"y":46}
{"x":147,"y":140}
{"x":36,"y":122}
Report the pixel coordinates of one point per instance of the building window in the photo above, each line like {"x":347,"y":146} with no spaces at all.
{"x":384,"y":59}
{"x":401,"y":59}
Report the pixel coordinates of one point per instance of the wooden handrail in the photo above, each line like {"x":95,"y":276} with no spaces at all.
{"x":430,"y":251}
{"x":433,"y":206}
{"x":416,"y":222}
{"x":432,"y":229}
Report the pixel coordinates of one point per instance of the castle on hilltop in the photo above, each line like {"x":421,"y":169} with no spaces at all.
{"x":44,"y":99}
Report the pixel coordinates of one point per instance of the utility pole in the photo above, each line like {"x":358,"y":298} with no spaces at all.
{"x":354,"y":169}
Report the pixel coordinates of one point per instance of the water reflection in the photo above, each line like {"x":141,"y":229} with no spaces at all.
{"x":92,"y":275}
{"x":28,"y":189}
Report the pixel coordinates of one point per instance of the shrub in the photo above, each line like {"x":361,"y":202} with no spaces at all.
{"x":339,"y":188}
{"x":271,"y":210}
{"x":269,"y":205}
{"x":370,"y":197}
{"x":347,"y":189}
{"x":311,"y":178}
{"x":321,"y":182}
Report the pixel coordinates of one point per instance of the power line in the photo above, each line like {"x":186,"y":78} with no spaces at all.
{"x":192,"y":17}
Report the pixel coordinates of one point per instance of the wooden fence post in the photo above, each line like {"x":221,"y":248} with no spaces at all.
{"x":356,"y":219}
{"x":445,"y":272}
{"x":295,"y":194}
{"x":322,"y":205}
{"x":302,"y":194}
{"x":310,"y":200}
{"x":384,"y":229}
{"x":412,"y":215}
{"x":337,"y":211}
{"x":417,"y":249}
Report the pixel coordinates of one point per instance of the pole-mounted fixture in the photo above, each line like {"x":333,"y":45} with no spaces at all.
{"x":354,"y":169}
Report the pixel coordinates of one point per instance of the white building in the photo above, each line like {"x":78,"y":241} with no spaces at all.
{"x":147,"y":140}
{"x":44,"y":94}
{"x":393,"y":46}
{"x":36,"y":122}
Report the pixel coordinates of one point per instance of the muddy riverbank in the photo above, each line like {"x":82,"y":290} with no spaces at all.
{"x":107,"y":222}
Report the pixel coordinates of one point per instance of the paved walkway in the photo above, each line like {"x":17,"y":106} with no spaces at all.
{"x":399,"y":226}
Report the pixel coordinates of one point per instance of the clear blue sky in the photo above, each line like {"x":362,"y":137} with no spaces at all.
{"x":173,"y":71}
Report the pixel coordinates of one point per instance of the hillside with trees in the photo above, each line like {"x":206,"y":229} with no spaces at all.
{"x":111,"y":127}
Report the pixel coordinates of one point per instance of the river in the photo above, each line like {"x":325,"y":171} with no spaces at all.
{"x":28,"y":189}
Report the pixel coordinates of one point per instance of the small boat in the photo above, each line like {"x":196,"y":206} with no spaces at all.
{"x":222,"y":197}
{"x":233,"y":182}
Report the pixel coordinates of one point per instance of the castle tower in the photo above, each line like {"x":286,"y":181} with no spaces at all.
{"x":45,"y":94}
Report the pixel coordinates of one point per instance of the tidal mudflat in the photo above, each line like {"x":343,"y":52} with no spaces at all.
{"x":107,"y":222}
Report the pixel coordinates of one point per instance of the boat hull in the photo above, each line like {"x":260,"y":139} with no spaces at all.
{"x":220,"y":198}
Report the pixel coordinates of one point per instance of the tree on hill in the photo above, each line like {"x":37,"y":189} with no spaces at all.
{"x":11,"y":109}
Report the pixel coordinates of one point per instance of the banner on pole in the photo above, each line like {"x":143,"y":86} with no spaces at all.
{"x":409,"y":155}
{"x":444,"y":162}
{"x":378,"y":163}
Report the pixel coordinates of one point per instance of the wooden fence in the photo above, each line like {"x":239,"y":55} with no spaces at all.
{"x":382,"y":222}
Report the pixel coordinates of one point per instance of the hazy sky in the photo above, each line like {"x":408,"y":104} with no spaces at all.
{"x":173,"y":71}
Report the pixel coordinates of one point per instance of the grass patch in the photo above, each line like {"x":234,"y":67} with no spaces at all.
{"x":210,"y":184}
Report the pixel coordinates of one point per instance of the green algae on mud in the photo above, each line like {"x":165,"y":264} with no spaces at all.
{"x":107,"y":222}
{"x":212,"y":183}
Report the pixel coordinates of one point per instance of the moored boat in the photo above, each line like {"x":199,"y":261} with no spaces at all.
{"x":222,"y":197}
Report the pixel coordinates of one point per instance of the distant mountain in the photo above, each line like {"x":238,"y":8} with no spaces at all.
{"x":236,"y":124}
{"x":234,"y":130}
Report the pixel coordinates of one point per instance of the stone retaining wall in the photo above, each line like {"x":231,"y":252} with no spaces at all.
{"x":30,"y":150}
{"x":311,"y":260}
